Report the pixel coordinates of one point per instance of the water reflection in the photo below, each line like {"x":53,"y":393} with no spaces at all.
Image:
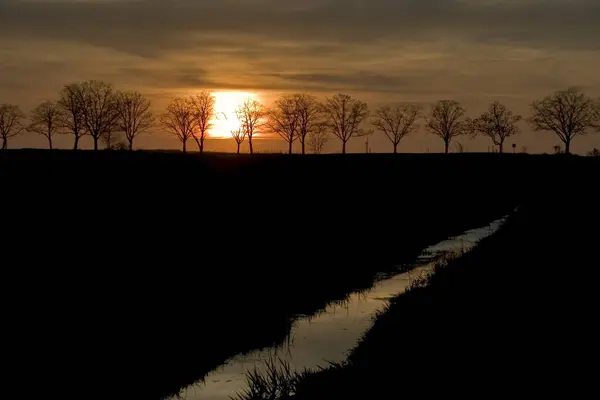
{"x":329,"y":335}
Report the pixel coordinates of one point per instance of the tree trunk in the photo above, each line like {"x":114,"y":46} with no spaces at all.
{"x":501,"y":148}
{"x":250,"y":144}
{"x":131,"y":145}
{"x":184,"y":146}
{"x":238,"y":148}
{"x":202,"y":144}
{"x":76,"y":145}
{"x":447,"y":148}
{"x":50,"y":142}
{"x":303,"y":147}
{"x":343,"y":147}
{"x":96,"y":137}
{"x":4,"y":143}
{"x":290,"y":150}
{"x":568,"y":146}
{"x":395,"y":148}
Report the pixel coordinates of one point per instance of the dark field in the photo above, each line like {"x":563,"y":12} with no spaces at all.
{"x":515,"y":317}
{"x":121,"y":270}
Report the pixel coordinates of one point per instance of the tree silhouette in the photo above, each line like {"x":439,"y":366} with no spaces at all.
{"x":309,"y":116}
{"x":72,"y":109}
{"x":133,"y":115}
{"x":557,"y":150}
{"x":446,"y":121}
{"x":317,"y":138}
{"x":498,"y":124}
{"x":113,"y":140}
{"x":46,"y":120}
{"x":179,"y":120}
{"x":344,"y":115}
{"x":283,"y":120}
{"x":204,"y":111}
{"x":239,"y":135}
{"x":397,"y":122}
{"x":99,"y":109}
{"x":250,"y":114}
{"x":567,"y":113}
{"x":11,"y":118}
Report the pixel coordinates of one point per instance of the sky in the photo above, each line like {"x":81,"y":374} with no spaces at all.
{"x":379,"y":51}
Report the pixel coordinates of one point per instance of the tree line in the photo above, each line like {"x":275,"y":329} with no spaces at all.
{"x":96,"y":109}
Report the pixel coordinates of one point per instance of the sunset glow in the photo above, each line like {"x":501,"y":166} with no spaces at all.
{"x":225,"y":105}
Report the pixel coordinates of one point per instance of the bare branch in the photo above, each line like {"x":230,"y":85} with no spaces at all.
{"x":345,"y":116}
{"x":396,"y":123}
{"x":318,"y":138}
{"x":99,"y":108}
{"x":134,"y":116}
{"x":239,"y":135}
{"x":251,"y":115}
{"x":498,"y":124}
{"x":203,"y":105}
{"x":46,"y":120}
{"x":179,"y":120}
{"x":72,"y":110}
{"x":310,"y":116}
{"x":283,"y":119}
{"x":113,"y":140}
{"x":11,"y":118}
{"x":446,"y":121}
{"x":567,"y":113}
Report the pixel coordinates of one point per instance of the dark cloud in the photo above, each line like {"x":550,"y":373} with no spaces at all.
{"x":151,"y":27}
{"x":380,"y":50}
{"x":362,"y":81}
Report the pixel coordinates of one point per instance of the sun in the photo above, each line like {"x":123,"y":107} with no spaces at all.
{"x":225,"y":121}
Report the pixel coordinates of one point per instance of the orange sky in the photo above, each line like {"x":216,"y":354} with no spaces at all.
{"x":381,"y":51}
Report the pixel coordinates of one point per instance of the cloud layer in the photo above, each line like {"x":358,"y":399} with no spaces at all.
{"x":382,"y":50}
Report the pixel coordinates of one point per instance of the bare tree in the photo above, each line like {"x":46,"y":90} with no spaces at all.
{"x":567,"y":113}
{"x":460,"y":148}
{"x":72,"y":110}
{"x":99,"y":108}
{"x":557,"y":150}
{"x":283,"y":120}
{"x":344,"y":115}
{"x":11,"y":118}
{"x":317,"y":139}
{"x":179,"y":120}
{"x":251,"y":114}
{"x":498,"y":124}
{"x":310,"y":118}
{"x":46,"y":120}
{"x":133,"y":115}
{"x":113,"y":140}
{"x":397,"y":122}
{"x":239,"y":135}
{"x":204,"y":112}
{"x":446,"y":121}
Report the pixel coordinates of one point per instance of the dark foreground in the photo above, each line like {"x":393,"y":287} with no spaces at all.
{"x":515,"y":317}
{"x":122,"y":270}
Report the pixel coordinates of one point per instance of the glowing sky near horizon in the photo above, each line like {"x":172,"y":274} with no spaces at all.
{"x":382,"y":51}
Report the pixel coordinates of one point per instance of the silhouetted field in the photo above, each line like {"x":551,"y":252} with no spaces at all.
{"x":516,"y":315}
{"x":122,"y":270}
